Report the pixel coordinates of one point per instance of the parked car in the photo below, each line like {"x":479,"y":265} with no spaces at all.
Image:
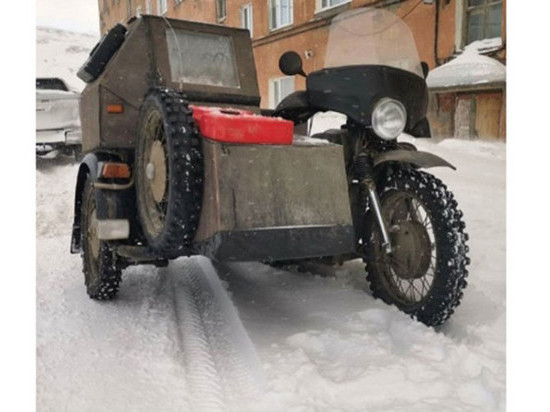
{"x":57,"y":119}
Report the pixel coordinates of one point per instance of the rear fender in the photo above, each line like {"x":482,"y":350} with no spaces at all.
{"x":421,"y":160}
{"x":89,"y":168}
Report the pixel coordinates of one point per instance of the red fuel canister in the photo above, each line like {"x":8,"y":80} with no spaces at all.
{"x":230,"y":125}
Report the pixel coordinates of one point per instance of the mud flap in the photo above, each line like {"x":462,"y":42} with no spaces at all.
{"x":88,"y":170}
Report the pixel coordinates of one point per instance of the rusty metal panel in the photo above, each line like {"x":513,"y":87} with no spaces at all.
{"x":142,"y":62}
{"x":210,"y":221}
{"x":129,"y":73}
{"x":89,"y":117}
{"x":118,"y":130}
{"x":260,"y":186}
{"x":125,"y":81}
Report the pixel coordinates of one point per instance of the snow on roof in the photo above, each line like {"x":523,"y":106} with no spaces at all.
{"x":470,"y":68}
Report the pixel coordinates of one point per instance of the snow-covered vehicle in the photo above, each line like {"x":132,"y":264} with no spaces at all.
{"x":57,"y":118}
{"x":181,"y":160}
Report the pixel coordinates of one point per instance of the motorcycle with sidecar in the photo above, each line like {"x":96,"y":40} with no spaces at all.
{"x":180,"y":160}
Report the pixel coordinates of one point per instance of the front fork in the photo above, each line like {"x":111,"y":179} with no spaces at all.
{"x":364,"y":173}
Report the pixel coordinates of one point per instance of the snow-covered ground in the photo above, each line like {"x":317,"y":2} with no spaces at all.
{"x":193,"y":337}
{"x":60,"y":53}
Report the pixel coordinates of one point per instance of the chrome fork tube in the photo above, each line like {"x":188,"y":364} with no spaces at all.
{"x":375,"y":202}
{"x":364,"y":172}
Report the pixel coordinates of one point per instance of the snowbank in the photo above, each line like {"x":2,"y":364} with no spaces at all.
{"x":324,"y":342}
{"x":470,"y":68}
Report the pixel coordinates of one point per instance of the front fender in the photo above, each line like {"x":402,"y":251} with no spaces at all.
{"x":421,"y":160}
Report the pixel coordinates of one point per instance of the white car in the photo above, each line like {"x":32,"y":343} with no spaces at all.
{"x":57,"y":118}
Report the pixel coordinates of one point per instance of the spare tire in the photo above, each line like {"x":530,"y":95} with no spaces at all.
{"x":102,"y":53}
{"x":168,"y":173}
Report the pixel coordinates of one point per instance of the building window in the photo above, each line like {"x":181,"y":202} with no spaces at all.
{"x":247,"y":19}
{"x":280,"y":13}
{"x":148,"y":7}
{"x":279,"y":88}
{"x":162,"y":7}
{"x":221,"y":9}
{"x":138,"y":11}
{"x":328,"y":4}
{"x":483,"y":19}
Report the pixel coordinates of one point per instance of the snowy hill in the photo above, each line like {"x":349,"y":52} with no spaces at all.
{"x":60,"y":53}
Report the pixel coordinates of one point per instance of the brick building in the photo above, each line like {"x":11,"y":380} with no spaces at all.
{"x":441,"y":29}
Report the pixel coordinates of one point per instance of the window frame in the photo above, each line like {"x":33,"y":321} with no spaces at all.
{"x":319,"y":5}
{"x":270,"y":15}
{"x":219,"y":10}
{"x":250,"y":8}
{"x":275,"y":82}
{"x":485,"y":11}
{"x":159,"y":8}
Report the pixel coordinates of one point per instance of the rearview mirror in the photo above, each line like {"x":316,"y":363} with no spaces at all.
{"x":425,"y":69}
{"x":290,"y":64}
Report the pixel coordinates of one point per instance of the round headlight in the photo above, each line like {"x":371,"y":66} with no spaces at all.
{"x":389,"y":118}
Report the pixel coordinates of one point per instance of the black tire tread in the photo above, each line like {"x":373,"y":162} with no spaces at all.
{"x":186,"y":174}
{"x":452,"y":259}
{"x":110,"y":274}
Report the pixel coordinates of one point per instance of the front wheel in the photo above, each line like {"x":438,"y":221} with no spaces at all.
{"x":425,"y":273}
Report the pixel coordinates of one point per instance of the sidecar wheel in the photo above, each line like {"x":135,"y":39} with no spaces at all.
{"x":102,"y":276}
{"x":426,"y":272}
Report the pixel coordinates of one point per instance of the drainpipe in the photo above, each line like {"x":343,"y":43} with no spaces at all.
{"x":436,"y":32}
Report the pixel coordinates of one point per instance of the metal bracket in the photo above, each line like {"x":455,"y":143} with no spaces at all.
{"x":364,"y":172}
{"x":113,"y":186}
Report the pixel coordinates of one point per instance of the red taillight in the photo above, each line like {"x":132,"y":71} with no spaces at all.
{"x":115,"y":171}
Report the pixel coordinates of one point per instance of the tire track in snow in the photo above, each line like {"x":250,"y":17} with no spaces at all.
{"x":223,"y":369}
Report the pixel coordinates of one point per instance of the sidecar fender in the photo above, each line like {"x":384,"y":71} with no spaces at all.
{"x":422,"y":160}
